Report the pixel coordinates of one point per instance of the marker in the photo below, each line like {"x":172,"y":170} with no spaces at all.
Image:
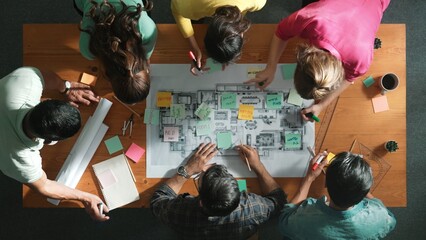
{"x":101,"y":208}
{"x":318,"y":162}
{"x":311,"y":115}
{"x":194,"y":60}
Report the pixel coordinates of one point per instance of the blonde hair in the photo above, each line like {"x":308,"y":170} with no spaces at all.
{"x":318,"y":72}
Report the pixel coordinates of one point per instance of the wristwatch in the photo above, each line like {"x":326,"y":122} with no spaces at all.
{"x":67,"y":87}
{"x":182,"y":171}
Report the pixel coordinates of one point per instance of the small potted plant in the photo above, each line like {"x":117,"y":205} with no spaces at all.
{"x":391,"y":146}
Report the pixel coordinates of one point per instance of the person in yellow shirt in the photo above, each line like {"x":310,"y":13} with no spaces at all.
{"x":224,"y":38}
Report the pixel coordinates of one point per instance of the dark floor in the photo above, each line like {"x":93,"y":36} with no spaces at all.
{"x":19,"y":223}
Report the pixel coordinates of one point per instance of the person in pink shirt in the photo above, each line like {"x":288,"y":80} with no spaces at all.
{"x":340,"y":42}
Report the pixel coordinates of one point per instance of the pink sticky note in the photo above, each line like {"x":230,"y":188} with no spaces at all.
{"x":135,"y":152}
{"x":171,"y":134}
{"x":106,"y":178}
{"x":380,"y":104}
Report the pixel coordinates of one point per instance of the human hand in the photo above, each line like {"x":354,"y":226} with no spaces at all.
{"x":197,"y":162}
{"x":91,"y":205}
{"x":263,"y":78}
{"x":312,"y":174}
{"x":198,"y":64}
{"x":315,"y":109}
{"x":249,"y":153}
{"x":81,"y":93}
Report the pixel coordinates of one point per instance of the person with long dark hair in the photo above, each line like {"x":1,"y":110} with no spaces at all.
{"x":121,"y":35}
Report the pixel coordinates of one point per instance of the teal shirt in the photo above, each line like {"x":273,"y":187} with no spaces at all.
{"x":314,"y":219}
{"x":146,"y":26}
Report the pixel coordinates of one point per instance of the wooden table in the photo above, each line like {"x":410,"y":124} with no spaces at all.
{"x":55,"y":47}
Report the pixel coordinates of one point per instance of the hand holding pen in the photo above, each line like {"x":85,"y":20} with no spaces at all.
{"x":250,"y":156}
{"x":196,"y":63}
{"x":316,"y":165}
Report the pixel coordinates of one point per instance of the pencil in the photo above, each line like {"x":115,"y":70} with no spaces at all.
{"x":129,"y":108}
{"x":248,"y":164}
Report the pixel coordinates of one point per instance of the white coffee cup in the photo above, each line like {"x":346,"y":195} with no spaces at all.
{"x":389,"y":82}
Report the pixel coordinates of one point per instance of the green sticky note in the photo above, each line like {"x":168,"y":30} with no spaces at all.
{"x":368,"y":81}
{"x":294,"y":98}
{"x":228,"y":101}
{"x":293,"y":140}
{"x":152,"y":116}
{"x":274,"y":101}
{"x":203,"y":111}
{"x":113,"y":144}
{"x":178,"y":111}
{"x":242,"y":184}
{"x":213,"y":65}
{"x":224,"y":140}
{"x":287,"y":70}
{"x":203,"y":128}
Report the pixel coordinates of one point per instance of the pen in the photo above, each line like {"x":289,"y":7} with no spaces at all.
{"x":311,"y":151}
{"x":194,"y":60}
{"x":319,"y":160}
{"x":101,"y":208}
{"x":247,"y":162}
{"x":311,"y":115}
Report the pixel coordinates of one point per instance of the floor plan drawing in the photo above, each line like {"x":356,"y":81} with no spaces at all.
{"x":208,"y":111}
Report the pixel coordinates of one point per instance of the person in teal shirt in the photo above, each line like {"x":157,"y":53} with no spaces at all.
{"x":351,"y":213}
{"x":121,"y":35}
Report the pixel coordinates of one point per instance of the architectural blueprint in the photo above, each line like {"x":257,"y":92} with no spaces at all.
{"x":206,"y":109}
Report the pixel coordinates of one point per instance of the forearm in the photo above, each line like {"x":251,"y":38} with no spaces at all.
{"x":55,"y":190}
{"x":275,"y":51}
{"x":176,"y":183}
{"x":52,"y":81}
{"x":302,"y":192}
{"x":194,"y":44}
{"x":266,"y":181}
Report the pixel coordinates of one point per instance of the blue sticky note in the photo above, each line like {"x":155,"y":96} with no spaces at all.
{"x":228,"y":101}
{"x":274,"y":101}
{"x":152,"y":116}
{"x":113,"y":144}
{"x":224,"y":140}
{"x":203,"y":128}
{"x":242,"y":184}
{"x":287,"y":70}
{"x":213,"y":65}
{"x":293,"y":140}
{"x":368,"y":81}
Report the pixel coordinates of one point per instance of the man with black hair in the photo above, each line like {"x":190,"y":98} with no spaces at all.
{"x":26,"y":124}
{"x":220,"y":211}
{"x":351,"y":213}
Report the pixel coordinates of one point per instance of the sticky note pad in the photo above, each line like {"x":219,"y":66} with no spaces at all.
{"x":203,"y":111}
{"x":228,"y":100}
{"x":245,"y":112}
{"x":368,"y":81}
{"x":242,"y":184}
{"x":178,"y":111}
{"x":293,"y":140}
{"x":287,"y":70}
{"x":294,"y":98}
{"x":203,"y":128}
{"x":106,"y":178}
{"x":274,"y":101}
{"x":213,"y":65}
{"x":135,"y":152}
{"x":88,"y":79}
{"x":152,"y":116}
{"x":224,"y":140}
{"x":164,"y":99}
{"x":113,"y":144}
{"x":380,"y":104}
{"x":171,"y":134}
{"x":252,"y":71}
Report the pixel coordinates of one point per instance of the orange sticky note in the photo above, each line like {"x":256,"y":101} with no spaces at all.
{"x":88,"y":79}
{"x":380,"y":104}
{"x":246,"y":112}
{"x":329,"y":157}
{"x":164,"y":99}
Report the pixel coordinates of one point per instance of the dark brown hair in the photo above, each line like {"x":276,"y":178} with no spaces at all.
{"x":224,"y":38}
{"x":117,"y":43}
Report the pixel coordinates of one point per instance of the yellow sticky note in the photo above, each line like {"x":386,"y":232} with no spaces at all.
{"x":329,"y":157}
{"x":164,"y":99}
{"x":88,"y":79}
{"x":246,"y":112}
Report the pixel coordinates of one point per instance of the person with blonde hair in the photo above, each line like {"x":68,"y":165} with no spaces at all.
{"x":224,"y":38}
{"x":340,"y":41}
{"x":121,"y":35}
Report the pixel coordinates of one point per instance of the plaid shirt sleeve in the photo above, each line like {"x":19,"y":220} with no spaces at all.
{"x":162,"y":202}
{"x":262,"y":208}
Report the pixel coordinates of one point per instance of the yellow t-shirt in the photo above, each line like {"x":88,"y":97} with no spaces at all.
{"x":186,"y":10}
